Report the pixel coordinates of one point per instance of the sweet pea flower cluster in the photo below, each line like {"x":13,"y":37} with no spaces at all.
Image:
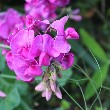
{"x":44,"y":9}
{"x":37,"y":46}
{"x":10,"y":22}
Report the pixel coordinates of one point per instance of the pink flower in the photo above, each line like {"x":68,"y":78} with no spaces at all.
{"x":58,"y":25}
{"x":71,"y":33}
{"x":7,"y":25}
{"x":2,"y":94}
{"x":26,"y":69}
{"x":65,"y":61}
{"x":21,"y":42}
{"x":42,"y":47}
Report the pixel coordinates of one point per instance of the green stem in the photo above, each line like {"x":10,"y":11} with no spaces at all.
{"x":4,"y":46}
{"x":8,"y":76}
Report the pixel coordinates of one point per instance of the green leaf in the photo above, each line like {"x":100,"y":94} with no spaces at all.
{"x":98,"y":79}
{"x":99,"y":108}
{"x":22,"y":87}
{"x":65,"y":104}
{"x":12,"y":100}
{"x":76,"y":47}
{"x":66,"y":74}
{"x":91,"y":44}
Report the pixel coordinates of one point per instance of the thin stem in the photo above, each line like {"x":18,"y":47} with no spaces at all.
{"x":72,"y":98}
{"x":8,"y":76}
{"x":83,"y":96}
{"x":4,"y":46}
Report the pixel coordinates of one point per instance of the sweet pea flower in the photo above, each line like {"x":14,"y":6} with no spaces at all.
{"x":71,"y":33}
{"x":65,"y":61}
{"x":21,"y":42}
{"x":44,"y":9}
{"x":43,"y":47}
{"x":26,"y":69}
{"x":7,"y":25}
{"x":60,"y":38}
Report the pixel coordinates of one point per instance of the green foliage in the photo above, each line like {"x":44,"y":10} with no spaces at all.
{"x":12,"y":100}
{"x":92,"y":45}
{"x":96,"y":81}
{"x":66,"y":74}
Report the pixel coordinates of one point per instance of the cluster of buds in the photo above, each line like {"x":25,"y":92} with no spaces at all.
{"x":49,"y":84}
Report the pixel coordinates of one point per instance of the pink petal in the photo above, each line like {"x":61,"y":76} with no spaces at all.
{"x":68,"y":60}
{"x":35,"y":70}
{"x":40,"y":87}
{"x":61,"y":45}
{"x":44,"y":59}
{"x":58,"y":93}
{"x":48,"y":94}
{"x":58,"y":25}
{"x":71,"y":33}
{"x":23,"y":38}
{"x":53,"y":85}
{"x":2,"y":94}
{"x":20,"y":68}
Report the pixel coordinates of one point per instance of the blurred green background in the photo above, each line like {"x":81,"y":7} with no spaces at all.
{"x":87,"y":83}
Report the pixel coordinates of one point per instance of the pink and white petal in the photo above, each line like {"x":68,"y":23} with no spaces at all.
{"x":2,"y":94}
{"x":58,"y":93}
{"x":40,"y":87}
{"x":48,"y":94}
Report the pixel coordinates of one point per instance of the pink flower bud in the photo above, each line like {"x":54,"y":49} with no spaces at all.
{"x":53,"y":85}
{"x":44,"y":93}
{"x":40,"y":87}
{"x":2,"y":94}
{"x":54,"y":76}
{"x":71,"y":33}
{"x":58,"y":93}
{"x":48,"y":94}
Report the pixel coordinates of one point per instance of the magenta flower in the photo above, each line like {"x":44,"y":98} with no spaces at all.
{"x":44,"y":9}
{"x":58,"y":25}
{"x":7,"y":25}
{"x":21,"y":42}
{"x":43,"y":47}
{"x":65,"y":61}
{"x":2,"y":94}
{"x":71,"y":33}
{"x":26,"y":69}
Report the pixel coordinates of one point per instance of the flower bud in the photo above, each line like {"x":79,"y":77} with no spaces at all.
{"x":58,"y":93}
{"x":48,"y":94}
{"x":40,"y":87}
